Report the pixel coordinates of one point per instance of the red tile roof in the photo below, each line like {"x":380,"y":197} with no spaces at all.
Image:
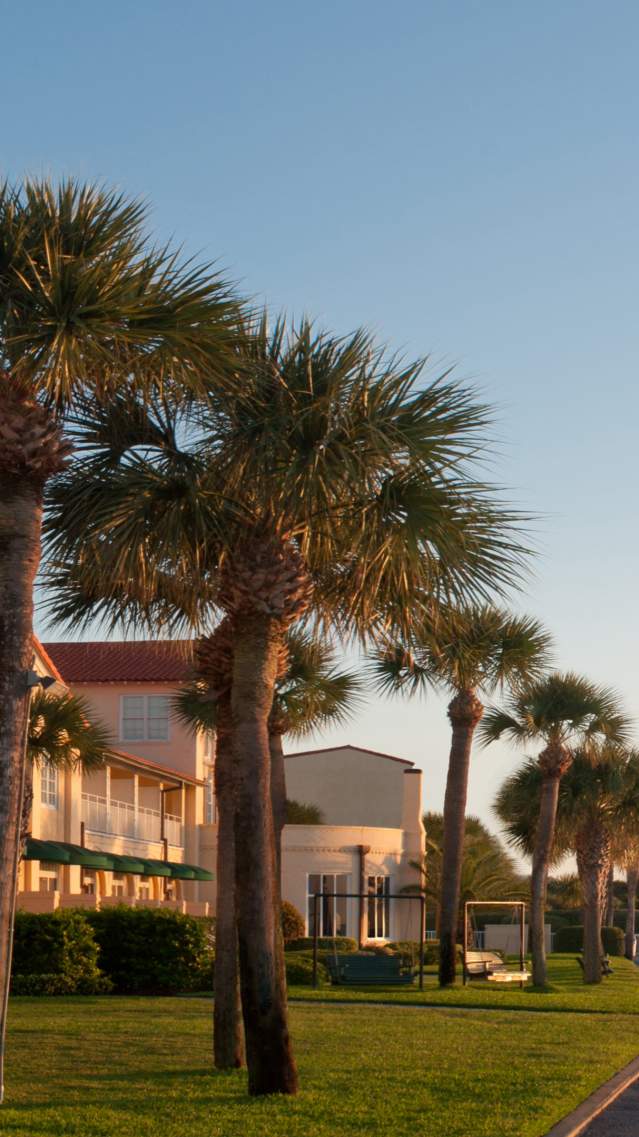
{"x":135,"y":661}
{"x":46,"y":660}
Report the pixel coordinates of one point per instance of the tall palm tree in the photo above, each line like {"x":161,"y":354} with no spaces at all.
{"x":596,"y":798}
{"x":311,"y":692}
{"x":561,"y":711}
{"x":467,"y":652}
{"x":85,"y":303}
{"x":335,"y":479}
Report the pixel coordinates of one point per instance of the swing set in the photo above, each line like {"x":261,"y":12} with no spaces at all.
{"x":488,"y":964}
{"x":352,"y":969}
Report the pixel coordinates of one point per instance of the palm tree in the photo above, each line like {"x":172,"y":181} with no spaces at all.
{"x":85,"y":302}
{"x":561,"y":711}
{"x":466,"y":652}
{"x":334,"y":479}
{"x":311,"y":692}
{"x":595,"y":799}
{"x":564,"y":891}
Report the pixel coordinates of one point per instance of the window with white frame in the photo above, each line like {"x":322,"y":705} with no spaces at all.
{"x":144,"y":888}
{"x":48,"y":880}
{"x":144,"y":718}
{"x":49,"y":785}
{"x":332,"y":911}
{"x":378,"y":908}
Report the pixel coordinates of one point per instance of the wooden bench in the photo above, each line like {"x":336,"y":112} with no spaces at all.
{"x":367,"y":970}
{"x":484,"y":963}
{"x":606,"y":969}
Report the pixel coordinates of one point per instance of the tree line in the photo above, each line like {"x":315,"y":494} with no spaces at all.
{"x":192,"y":467}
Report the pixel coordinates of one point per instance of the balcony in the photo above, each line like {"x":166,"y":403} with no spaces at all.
{"x":123,"y":819}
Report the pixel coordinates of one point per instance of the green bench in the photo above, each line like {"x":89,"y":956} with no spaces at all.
{"x":367,"y":970}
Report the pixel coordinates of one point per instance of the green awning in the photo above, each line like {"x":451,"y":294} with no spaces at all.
{"x":37,"y":850}
{"x":64,"y":853}
{"x":122,"y":863}
{"x":199,"y":873}
{"x":180,"y":871}
{"x":155,"y":868}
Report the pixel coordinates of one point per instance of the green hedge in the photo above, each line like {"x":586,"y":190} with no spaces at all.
{"x":299,"y":969}
{"x":153,"y":951}
{"x":572,"y":939}
{"x":292,"y":923}
{"x":56,"y":953}
{"x":324,"y":943}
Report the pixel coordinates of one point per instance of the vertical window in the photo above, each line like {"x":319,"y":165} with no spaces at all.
{"x":209,"y":799}
{"x":117,"y":885}
{"x":49,"y":785}
{"x":88,"y":882}
{"x":332,"y":911}
{"x":145,"y":718}
{"x":378,"y":908}
{"x":48,"y":881}
{"x":144,"y":888}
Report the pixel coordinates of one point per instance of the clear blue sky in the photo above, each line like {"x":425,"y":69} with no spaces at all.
{"x":464,"y":178}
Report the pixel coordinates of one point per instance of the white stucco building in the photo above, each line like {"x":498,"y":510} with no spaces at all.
{"x":143,"y":829}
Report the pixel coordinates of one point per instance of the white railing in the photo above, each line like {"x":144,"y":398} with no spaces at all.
{"x":122,"y":819}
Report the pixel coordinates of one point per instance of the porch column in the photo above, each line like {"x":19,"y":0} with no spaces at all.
{"x":363,"y":903}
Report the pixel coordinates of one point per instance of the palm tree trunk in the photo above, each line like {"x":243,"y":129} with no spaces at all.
{"x":608,"y":915}
{"x":632,"y":877}
{"x":544,"y":838}
{"x":228,"y":1043}
{"x":593,"y":852}
{"x":20,"y":523}
{"x":269,"y":1055}
{"x":464,"y":713}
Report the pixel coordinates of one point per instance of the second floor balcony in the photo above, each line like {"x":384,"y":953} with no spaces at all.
{"x":123,"y":819}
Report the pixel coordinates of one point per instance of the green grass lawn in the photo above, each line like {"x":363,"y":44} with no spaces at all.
{"x":618,"y":994}
{"x":117,"y":1067}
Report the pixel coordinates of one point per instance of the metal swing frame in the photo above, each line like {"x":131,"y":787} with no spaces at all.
{"x":421,"y":896}
{"x":519,"y":904}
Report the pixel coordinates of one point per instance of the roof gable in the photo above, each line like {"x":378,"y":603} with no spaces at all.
{"x":348,"y":746}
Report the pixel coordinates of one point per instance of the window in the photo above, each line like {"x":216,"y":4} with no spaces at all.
{"x":117,"y":884}
{"x":144,"y":888}
{"x":332,"y":910}
{"x":378,"y":908}
{"x":88,"y":882}
{"x":145,"y":718}
{"x":48,"y":877}
{"x":209,"y":799}
{"x":49,"y":786}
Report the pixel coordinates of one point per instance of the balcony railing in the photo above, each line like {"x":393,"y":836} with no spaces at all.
{"x":123,"y":819}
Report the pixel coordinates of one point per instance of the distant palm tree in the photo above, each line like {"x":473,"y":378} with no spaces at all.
{"x":466,"y":652}
{"x":562,"y":712}
{"x":488,"y":872}
{"x":64,"y":734}
{"x":311,"y":692}
{"x":564,"y":891}
{"x":595,"y":798}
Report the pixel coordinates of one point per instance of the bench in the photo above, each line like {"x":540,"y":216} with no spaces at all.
{"x":606,"y":969}
{"x":484,"y":963}
{"x":367,"y":970}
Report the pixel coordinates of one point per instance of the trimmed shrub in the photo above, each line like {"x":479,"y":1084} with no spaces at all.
{"x":153,"y":951}
{"x":325,"y":943}
{"x":571,"y":938}
{"x":292,"y":923}
{"x":56,"y":953}
{"x":299,"y":969}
